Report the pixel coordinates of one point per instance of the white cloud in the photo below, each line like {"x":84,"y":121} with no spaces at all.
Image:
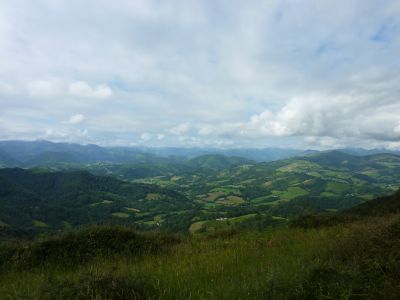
{"x":82,"y":89}
{"x":76,"y":119}
{"x":145,"y":137}
{"x":44,"y":87}
{"x":6,"y":88}
{"x":324,"y":119}
{"x":52,"y":133}
{"x":181,"y":129}
{"x":324,"y":142}
{"x":396,"y":129}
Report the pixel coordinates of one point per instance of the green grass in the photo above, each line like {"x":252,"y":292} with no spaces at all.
{"x":226,"y":190}
{"x":230,"y":200}
{"x":250,"y":265}
{"x":214,"y":196}
{"x":66,"y":225}
{"x":291,"y":193}
{"x":328,"y":194}
{"x":287,"y":263}
{"x":39,"y":224}
{"x":102,"y":202}
{"x":197,"y":226}
{"x":337,"y":187}
{"x":121,"y":215}
{"x":218,"y":224}
{"x":299,"y":166}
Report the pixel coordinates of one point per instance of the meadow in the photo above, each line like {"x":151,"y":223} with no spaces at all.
{"x":356,"y":260}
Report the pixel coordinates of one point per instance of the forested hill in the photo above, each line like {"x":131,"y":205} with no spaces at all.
{"x":34,"y":201}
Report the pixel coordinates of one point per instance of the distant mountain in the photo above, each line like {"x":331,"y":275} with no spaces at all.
{"x":131,"y":163}
{"x":28,"y":150}
{"x":337,"y":159}
{"x":50,"y":158}
{"x":266,"y":154}
{"x":34,"y":153}
{"x":7,"y":160}
{"x":342,"y":160}
{"x":365,"y":152}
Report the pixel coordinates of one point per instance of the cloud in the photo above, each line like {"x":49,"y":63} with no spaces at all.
{"x":63,"y":134}
{"x":203,"y":72}
{"x":6,"y":88}
{"x":369,"y":113}
{"x":76,"y":119}
{"x":82,"y":89}
{"x":51,"y":133}
{"x":146,"y":137}
{"x":43,"y":88}
{"x":180,"y":129}
{"x":324,"y":142}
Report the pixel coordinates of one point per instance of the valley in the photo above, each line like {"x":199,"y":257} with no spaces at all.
{"x":196,"y":195}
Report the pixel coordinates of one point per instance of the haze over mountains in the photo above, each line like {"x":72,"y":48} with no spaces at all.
{"x":39,"y":153}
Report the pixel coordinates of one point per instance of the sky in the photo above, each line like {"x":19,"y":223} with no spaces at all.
{"x":204,"y":73}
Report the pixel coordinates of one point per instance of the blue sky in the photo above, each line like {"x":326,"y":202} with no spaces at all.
{"x":309,"y":74}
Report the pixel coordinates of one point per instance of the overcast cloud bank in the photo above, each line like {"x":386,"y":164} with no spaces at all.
{"x":303,"y":74}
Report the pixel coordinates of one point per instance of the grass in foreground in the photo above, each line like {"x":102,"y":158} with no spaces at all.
{"x":356,"y":261}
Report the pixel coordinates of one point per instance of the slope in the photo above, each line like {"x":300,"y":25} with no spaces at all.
{"x":35,"y":200}
{"x":358,"y":260}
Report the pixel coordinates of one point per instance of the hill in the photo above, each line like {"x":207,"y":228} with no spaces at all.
{"x":7,"y":160}
{"x":27,"y":150}
{"x":351,"y":260}
{"x":217,"y":162}
{"x":49,"y":158}
{"x":219,"y":191}
{"x":38,"y":201}
{"x":230,"y":191}
{"x":318,"y":182}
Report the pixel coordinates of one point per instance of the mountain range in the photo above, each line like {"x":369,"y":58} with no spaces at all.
{"x":39,"y":153}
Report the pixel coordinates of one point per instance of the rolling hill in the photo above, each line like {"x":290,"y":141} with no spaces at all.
{"x":34,"y":201}
{"x":220,"y":191}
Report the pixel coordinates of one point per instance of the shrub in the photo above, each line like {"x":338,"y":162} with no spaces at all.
{"x":77,"y":247}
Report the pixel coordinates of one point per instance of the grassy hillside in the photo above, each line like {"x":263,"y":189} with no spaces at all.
{"x":356,"y":260}
{"x":37,"y":201}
